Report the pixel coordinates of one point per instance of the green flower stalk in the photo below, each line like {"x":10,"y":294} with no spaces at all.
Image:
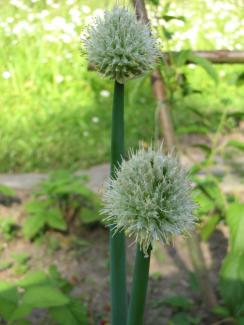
{"x":120,"y":48}
{"x":150,"y":199}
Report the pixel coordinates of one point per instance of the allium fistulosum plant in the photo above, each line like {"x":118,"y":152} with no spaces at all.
{"x":120,"y":48}
{"x":150,"y":200}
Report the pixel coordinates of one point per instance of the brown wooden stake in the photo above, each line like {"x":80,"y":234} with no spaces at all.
{"x":215,"y":57}
{"x":163,"y":113}
{"x":166,"y":126}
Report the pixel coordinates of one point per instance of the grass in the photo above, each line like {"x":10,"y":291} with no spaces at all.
{"x":54,"y":113}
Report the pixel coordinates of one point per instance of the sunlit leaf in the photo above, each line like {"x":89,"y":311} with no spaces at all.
{"x":209,"y":227}
{"x":205,"y":64}
{"x":235,"y":220}
{"x":44,"y":297}
{"x":73,"y":314}
{"x":232,"y":282}
{"x":236,"y":144}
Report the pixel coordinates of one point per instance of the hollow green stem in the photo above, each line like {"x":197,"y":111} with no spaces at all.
{"x":139,"y":288}
{"x":117,"y":242}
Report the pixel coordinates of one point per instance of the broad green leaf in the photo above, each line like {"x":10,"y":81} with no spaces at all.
{"x":73,"y":314}
{"x":55,"y":220}
{"x":8,"y":292}
{"x":21,"y":311}
{"x":235,"y":220}
{"x":32,"y":226}
{"x":232,"y":282}
{"x":21,"y":257}
{"x":205,"y":64}
{"x":8,"y":299}
{"x":44,"y":297}
{"x":209,"y":227}
{"x":34,"y":278}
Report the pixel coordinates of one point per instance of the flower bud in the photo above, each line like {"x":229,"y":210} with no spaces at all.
{"x":150,"y":199}
{"x":119,"y":46}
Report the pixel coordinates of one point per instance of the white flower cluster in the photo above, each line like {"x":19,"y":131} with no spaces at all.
{"x":150,"y":199}
{"x":119,"y":46}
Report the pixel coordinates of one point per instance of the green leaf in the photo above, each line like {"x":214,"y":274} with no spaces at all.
{"x":169,"y":17}
{"x":21,"y":312}
{"x":21,"y":269}
{"x":21,"y":258}
{"x":221,"y":311}
{"x":168,"y":35}
{"x":44,"y":297}
{"x":33,"y":279}
{"x":180,"y":58}
{"x":177,"y":302}
{"x":236,"y":144}
{"x":32,"y":226}
{"x":232,"y":282}
{"x":73,"y":314}
{"x":55,"y":219}
{"x":205,"y":64}
{"x":8,"y":299}
{"x":235,"y":220}
{"x":208,"y":195}
{"x":209,"y":227}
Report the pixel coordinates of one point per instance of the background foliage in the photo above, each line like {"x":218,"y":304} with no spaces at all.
{"x":55,"y":113}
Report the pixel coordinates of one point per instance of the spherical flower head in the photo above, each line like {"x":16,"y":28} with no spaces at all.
{"x":119,"y":46}
{"x":150,"y":198}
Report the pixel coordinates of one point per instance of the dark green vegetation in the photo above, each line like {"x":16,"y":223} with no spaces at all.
{"x":42,"y":290}
{"x":60,"y":200}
